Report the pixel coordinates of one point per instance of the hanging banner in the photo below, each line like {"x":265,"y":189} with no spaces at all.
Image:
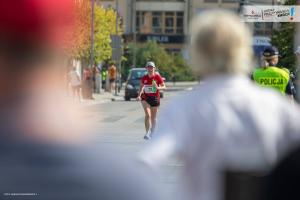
{"x":255,"y":13}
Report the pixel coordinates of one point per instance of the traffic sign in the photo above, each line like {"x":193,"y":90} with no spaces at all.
{"x":116,"y":54}
{"x":116,"y":41}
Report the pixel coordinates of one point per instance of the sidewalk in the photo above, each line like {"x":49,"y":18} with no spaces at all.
{"x":170,"y":86}
{"x":182,"y":84}
{"x":103,"y":97}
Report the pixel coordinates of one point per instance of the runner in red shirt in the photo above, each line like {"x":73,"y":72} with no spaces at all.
{"x":150,"y":97}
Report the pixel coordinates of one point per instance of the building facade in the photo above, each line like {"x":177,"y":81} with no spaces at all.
{"x":164,"y":21}
{"x":167,"y":21}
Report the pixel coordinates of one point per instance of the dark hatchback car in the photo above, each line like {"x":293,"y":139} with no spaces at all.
{"x":132,"y":85}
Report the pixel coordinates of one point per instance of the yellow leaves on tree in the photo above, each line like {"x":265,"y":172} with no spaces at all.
{"x":81,"y":35}
{"x":104,"y":26}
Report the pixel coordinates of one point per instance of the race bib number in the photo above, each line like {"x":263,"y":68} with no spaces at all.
{"x":148,"y":89}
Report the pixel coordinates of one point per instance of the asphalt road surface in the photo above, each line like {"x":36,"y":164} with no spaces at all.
{"x":120,"y":124}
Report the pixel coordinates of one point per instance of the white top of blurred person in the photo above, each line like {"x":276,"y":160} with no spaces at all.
{"x":226,"y":123}
{"x":74,"y":77}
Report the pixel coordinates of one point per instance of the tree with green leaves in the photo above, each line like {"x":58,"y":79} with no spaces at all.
{"x":283,"y":39}
{"x":105,"y":25}
{"x":168,"y":65}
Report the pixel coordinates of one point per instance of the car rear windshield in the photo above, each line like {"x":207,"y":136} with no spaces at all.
{"x":138,"y":74}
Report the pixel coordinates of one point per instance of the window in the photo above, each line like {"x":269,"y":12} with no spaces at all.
{"x":179,"y":14}
{"x":258,"y":25}
{"x":169,"y":14}
{"x":263,"y":25}
{"x":140,"y":20}
{"x":211,"y":1}
{"x":169,"y":22}
{"x":137,"y":74}
{"x":263,"y":28}
{"x":137,"y":21}
{"x":157,"y":22}
{"x":179,"y":22}
{"x":164,"y":0}
{"x":230,"y":1}
{"x":269,"y":25}
{"x":160,"y":22}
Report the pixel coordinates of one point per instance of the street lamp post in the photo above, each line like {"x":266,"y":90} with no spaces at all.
{"x":134,"y":33}
{"x":92,"y":32}
{"x":119,"y":62}
{"x":90,"y":83}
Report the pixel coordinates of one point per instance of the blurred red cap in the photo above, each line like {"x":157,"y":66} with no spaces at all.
{"x":45,"y":21}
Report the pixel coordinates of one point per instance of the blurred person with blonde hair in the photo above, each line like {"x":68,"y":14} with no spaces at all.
{"x":46,"y":151}
{"x":226,"y":123}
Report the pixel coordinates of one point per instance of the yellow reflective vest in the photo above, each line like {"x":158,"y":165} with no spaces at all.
{"x":272,"y":77}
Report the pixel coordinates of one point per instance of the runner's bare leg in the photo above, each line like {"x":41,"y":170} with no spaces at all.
{"x":154,"y":111}
{"x":147,"y":110}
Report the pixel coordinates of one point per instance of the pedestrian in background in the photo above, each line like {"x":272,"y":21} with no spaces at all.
{"x":45,"y":149}
{"x":87,"y":90}
{"x":104,"y":77}
{"x":96,"y":79}
{"x":112,"y":75}
{"x":226,"y":123}
{"x":174,"y":79}
{"x":75,"y":83}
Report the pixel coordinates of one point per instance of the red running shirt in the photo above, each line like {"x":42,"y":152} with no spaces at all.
{"x":148,"y":87}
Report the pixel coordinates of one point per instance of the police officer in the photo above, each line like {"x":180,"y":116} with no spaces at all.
{"x":272,"y":76}
{"x":104,"y":75}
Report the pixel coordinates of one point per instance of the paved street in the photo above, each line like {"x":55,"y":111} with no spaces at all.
{"x":121,"y":125}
